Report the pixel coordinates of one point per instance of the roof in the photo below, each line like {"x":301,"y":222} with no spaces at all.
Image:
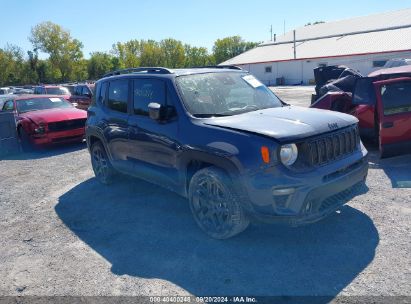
{"x":406,"y":69}
{"x":177,"y":72}
{"x":379,"y":33}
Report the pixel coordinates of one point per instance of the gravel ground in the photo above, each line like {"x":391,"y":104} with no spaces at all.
{"x":61,"y":233}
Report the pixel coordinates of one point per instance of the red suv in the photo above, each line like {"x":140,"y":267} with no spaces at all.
{"x":82,"y":95}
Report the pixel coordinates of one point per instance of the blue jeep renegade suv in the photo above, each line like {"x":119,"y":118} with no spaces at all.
{"x":222,"y":139}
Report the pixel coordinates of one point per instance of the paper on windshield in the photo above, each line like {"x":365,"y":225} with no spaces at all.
{"x":252,"y":81}
{"x":55,"y":99}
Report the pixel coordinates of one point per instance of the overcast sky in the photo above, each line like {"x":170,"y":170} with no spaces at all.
{"x":99,"y":24}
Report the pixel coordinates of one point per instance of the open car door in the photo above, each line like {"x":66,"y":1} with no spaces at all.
{"x":394,"y":115}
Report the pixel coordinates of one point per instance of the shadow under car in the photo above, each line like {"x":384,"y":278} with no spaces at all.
{"x":145,"y":231}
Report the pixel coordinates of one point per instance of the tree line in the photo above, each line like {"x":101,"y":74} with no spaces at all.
{"x":66,"y":62}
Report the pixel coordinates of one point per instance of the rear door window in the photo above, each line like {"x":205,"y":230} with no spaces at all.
{"x":118,"y":95}
{"x":396,"y":98}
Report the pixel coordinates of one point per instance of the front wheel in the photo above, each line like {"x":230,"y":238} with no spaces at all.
{"x":100,"y":162}
{"x":215,"y":204}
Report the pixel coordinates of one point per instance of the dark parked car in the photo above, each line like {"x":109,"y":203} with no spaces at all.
{"x":367,"y":98}
{"x":81,"y":96}
{"x":44,"y":119}
{"x":222,"y":139}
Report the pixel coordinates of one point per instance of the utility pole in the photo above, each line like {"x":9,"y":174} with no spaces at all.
{"x":295,"y":46}
{"x":271,"y":33}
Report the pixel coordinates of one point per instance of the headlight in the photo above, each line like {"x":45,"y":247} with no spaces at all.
{"x":288,"y":154}
{"x":41,"y":129}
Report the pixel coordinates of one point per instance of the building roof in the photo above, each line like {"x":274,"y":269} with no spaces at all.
{"x":379,"y":33}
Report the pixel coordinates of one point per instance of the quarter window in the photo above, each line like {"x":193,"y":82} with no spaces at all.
{"x":118,"y":95}
{"x":147,"y":91}
{"x":102,"y":90}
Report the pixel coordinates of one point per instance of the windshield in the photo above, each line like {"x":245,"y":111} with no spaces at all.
{"x":57,"y":91}
{"x":224,"y":94}
{"x":35,"y":104}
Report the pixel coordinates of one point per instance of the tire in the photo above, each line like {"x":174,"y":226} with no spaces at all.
{"x":215,"y":205}
{"x":26,"y":145}
{"x":100,"y":162}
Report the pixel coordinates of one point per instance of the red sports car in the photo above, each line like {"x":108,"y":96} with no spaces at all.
{"x":45,"y":119}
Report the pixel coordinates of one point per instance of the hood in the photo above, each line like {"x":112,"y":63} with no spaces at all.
{"x":54,"y":115}
{"x":286,"y":123}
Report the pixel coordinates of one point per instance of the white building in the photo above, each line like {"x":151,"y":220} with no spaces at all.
{"x":362,"y":43}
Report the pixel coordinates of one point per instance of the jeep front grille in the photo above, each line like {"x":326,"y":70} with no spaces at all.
{"x":332,"y":146}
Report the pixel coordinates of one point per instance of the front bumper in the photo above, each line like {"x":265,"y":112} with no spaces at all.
{"x":58,"y":137}
{"x":314,"y":195}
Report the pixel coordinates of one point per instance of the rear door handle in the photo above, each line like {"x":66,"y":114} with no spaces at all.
{"x":387,"y":125}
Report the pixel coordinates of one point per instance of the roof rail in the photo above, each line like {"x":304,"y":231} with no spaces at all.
{"x":157,"y":70}
{"x":231,"y":67}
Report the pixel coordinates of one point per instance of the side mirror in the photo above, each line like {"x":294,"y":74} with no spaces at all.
{"x":154,"y":110}
{"x":87,"y":95}
{"x":158,"y":112}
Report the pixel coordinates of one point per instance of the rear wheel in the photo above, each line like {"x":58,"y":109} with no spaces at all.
{"x":215,"y":204}
{"x":102,"y":168}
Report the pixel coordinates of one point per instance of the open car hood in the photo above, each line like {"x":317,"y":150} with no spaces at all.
{"x":285,"y":123}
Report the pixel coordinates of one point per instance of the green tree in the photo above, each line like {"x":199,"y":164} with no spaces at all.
{"x":151,"y":53}
{"x":230,"y":47}
{"x":64,"y":51}
{"x":11,"y":65}
{"x":173,"y":54}
{"x":128,"y":53}
{"x":99,"y":64}
{"x":197,"y":56}
{"x":314,"y":23}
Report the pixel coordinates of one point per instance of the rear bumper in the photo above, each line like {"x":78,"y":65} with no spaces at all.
{"x":58,"y":137}
{"x":312,"y":197}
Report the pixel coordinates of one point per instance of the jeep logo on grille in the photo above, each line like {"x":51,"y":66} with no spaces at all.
{"x":333,"y":126}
